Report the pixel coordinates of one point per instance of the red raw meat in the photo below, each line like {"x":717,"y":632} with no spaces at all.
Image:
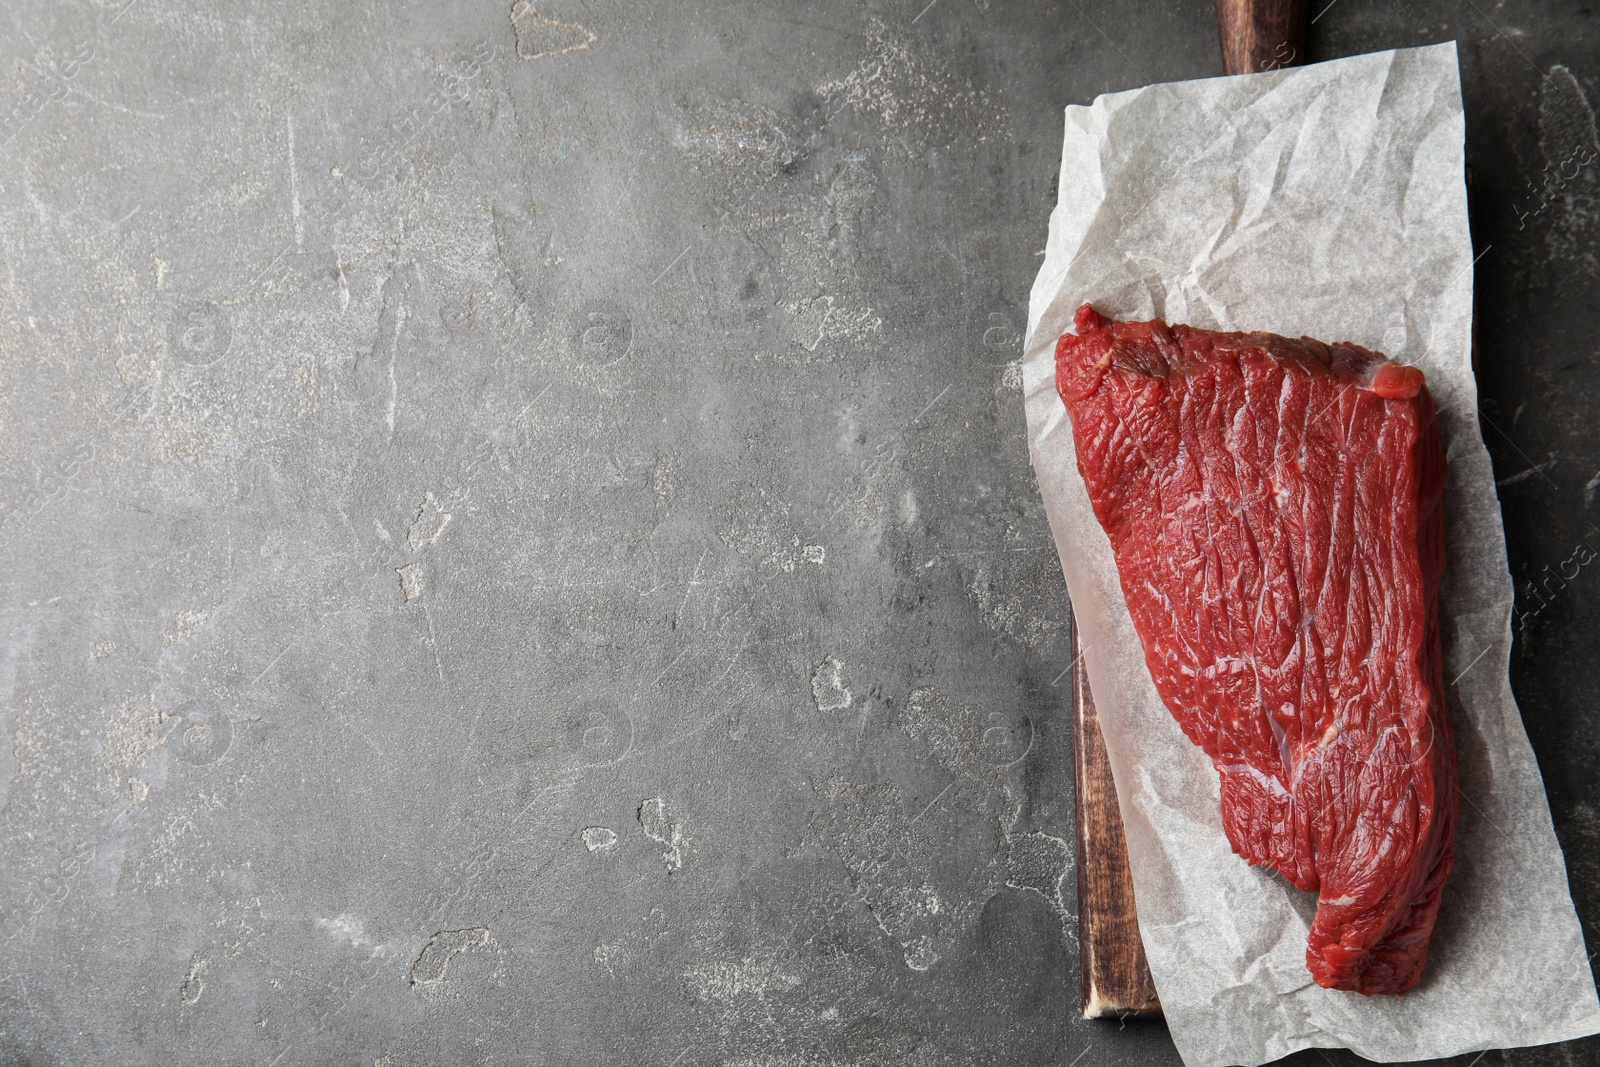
{"x":1274,"y":506}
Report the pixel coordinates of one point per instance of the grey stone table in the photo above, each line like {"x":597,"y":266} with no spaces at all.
{"x":519,"y":545}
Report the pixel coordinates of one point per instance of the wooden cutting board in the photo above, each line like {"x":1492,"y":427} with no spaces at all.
{"x":1255,"y":35}
{"x":1116,"y":978}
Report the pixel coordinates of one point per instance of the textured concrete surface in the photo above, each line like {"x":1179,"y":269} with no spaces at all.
{"x":518,"y":541}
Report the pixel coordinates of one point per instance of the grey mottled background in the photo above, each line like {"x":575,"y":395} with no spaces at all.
{"x":518,"y":541}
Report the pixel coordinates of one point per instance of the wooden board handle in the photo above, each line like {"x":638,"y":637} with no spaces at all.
{"x":1261,"y":35}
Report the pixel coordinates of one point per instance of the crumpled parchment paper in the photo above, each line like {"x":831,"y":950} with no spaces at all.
{"x":1325,"y":201}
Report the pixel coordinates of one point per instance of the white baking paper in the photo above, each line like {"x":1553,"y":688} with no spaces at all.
{"x":1325,"y":201}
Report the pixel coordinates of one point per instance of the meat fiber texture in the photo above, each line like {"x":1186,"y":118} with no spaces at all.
{"x":1274,"y":510}
{"x":1324,"y":201}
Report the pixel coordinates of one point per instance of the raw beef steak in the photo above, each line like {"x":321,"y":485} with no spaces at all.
{"x":1274,"y":506}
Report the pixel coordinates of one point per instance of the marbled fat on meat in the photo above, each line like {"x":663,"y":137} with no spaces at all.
{"x":1274,"y":508}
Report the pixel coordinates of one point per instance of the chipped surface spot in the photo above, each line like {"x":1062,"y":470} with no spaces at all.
{"x":410,"y":581}
{"x":543,"y":38}
{"x":193,"y":985}
{"x":429,"y":523}
{"x":1011,"y":376}
{"x":599,"y":838}
{"x":828,"y":689}
{"x":661,"y":825}
{"x":434,"y":960}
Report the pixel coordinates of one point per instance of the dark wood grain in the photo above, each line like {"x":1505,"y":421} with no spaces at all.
{"x":1261,"y":35}
{"x":1116,"y":978}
